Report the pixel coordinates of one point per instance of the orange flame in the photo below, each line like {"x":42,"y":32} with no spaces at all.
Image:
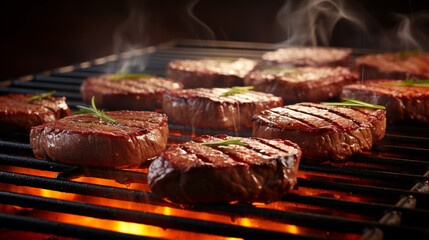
{"x":142,"y":229}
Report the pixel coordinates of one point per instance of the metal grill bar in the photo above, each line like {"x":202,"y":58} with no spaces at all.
{"x":67,"y":172}
{"x":49,"y":86}
{"x":15,"y":146}
{"x":68,"y":95}
{"x":393,"y":217}
{"x":81,"y":75}
{"x":361,"y":189}
{"x":108,"y":192}
{"x":198,"y":225}
{"x":89,"y":189}
{"x":409,"y":151}
{"x":407,"y":139}
{"x":130,"y":195}
{"x":96,"y":190}
{"x":62,"y":229}
{"x":163,"y":221}
{"x":357,"y":207}
{"x":63,"y":80}
{"x":395,"y":163}
{"x":368,"y":174}
{"x":398,"y":176}
{"x":34,"y":163}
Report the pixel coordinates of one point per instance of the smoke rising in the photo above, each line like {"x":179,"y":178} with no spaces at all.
{"x":312,"y":23}
{"x":145,"y":26}
{"x":408,"y":33}
{"x":129,"y":36}
{"x":197,"y":28}
{"x":305,"y":23}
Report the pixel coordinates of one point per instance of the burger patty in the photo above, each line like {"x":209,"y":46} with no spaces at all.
{"x":204,"y":107}
{"x":191,"y":172}
{"x":128,"y":93}
{"x":210,"y":72}
{"x":393,"y":66}
{"x":16,"y":113}
{"x":321,"y":131}
{"x":86,"y":139}
{"x":307,"y":56}
{"x":312,"y":84}
{"x":403,"y":103}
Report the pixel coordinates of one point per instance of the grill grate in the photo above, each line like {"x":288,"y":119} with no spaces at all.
{"x":383,"y":193}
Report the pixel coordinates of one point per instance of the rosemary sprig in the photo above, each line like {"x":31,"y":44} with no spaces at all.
{"x":348,"y":102}
{"x":409,"y":83}
{"x":119,"y":76}
{"x":406,"y":54}
{"x":237,"y":90}
{"x":41,"y":96}
{"x":93,"y":110}
{"x":283,"y":69}
{"x":234,"y":141}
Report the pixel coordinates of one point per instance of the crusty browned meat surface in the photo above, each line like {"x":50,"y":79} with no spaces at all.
{"x":262,"y":171}
{"x":307,"y":56}
{"x":18,"y":114}
{"x":304,"y":84}
{"x":403,"y":103}
{"x":392,"y":66}
{"x":323,"y":132}
{"x":144,"y":93}
{"x":85,"y":139}
{"x":210,"y":72}
{"x":208,"y":107}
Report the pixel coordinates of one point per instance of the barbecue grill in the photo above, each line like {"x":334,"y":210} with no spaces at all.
{"x":379,"y":194}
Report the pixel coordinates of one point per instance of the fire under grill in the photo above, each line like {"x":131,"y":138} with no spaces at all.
{"x":379,"y":194}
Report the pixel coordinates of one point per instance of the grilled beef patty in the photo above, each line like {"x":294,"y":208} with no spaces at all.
{"x":86,"y":139}
{"x":403,"y":103}
{"x":302,"y":84}
{"x":18,"y":114}
{"x":323,"y":131}
{"x":143,"y":93}
{"x":262,"y":171}
{"x":210,"y":72}
{"x":204,"y":107}
{"x":393,"y":66}
{"x":307,"y":56}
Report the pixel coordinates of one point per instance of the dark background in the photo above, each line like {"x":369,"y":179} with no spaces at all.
{"x":43,"y":35}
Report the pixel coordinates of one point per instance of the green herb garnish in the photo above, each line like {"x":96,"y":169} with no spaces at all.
{"x":409,"y":83}
{"x":406,"y":54}
{"x":93,"y":110}
{"x":237,"y":90}
{"x":41,"y":96}
{"x":348,"y":102}
{"x":226,"y":143}
{"x":128,"y":75}
{"x":283,"y":69}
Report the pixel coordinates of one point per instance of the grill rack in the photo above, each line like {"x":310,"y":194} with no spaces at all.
{"x":392,"y":180}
